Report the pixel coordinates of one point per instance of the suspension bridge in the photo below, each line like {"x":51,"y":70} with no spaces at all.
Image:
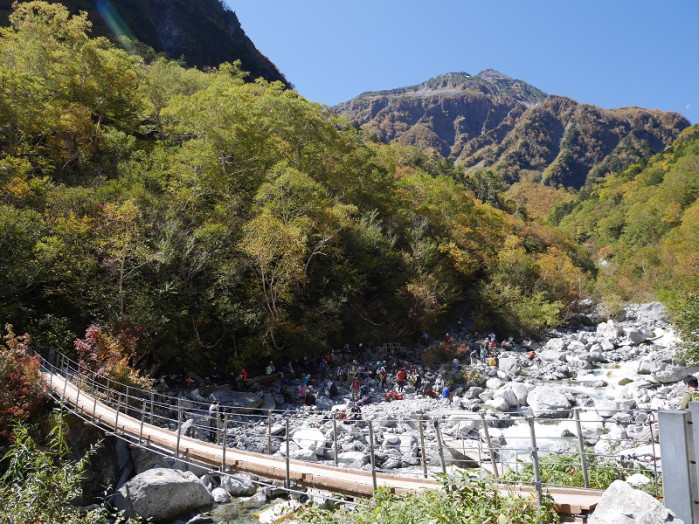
{"x":155,"y":421}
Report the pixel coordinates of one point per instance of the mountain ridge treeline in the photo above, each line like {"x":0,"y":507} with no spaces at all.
{"x":203,"y":33}
{"x":214,"y":222}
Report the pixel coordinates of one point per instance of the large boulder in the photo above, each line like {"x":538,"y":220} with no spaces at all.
{"x":310,"y":439}
{"x":509,"y":365}
{"x":556,"y":344}
{"x":652,"y":312}
{"x":521,"y":391}
{"x":670,"y":375}
{"x":238,"y":485}
{"x":638,"y":335}
{"x":508,"y":395}
{"x":621,"y":504}
{"x":240,"y":399}
{"x":547,"y":401}
{"x":162,"y":495}
{"x":609,"y":330}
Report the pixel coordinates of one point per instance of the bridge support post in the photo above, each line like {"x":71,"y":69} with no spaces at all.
{"x":126,"y":402}
{"x":77,"y":397}
{"x":535,"y":460}
{"x":423,"y":451}
{"x":335,"y":437}
{"x":677,"y":447}
{"x":152,"y":404}
{"x":143,"y":418}
{"x":224,"y":435}
{"x":287,"y":481}
{"x":440,"y":446}
{"x":484,"y":423}
{"x":179,"y":427}
{"x":116,"y":419}
{"x":65,"y":385}
{"x":581,"y":443}
{"x":269,"y":432}
{"x":655,"y":454}
{"x":371,"y":455}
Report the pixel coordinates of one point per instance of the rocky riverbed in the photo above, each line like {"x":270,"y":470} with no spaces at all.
{"x":616,"y":374}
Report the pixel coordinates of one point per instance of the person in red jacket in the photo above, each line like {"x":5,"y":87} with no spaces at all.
{"x":400,"y":379}
{"x":356,"y":386}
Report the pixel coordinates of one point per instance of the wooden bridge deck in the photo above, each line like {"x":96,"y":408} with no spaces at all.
{"x":350,"y":482}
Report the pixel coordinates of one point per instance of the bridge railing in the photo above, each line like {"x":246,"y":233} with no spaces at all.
{"x":507,"y":447}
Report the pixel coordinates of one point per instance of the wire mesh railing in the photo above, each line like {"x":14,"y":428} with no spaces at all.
{"x":577,"y":448}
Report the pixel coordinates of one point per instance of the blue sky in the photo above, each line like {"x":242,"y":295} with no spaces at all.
{"x":611,"y":53}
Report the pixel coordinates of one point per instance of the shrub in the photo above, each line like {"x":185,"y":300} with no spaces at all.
{"x":566,"y":470}
{"x":21,"y":394}
{"x":39,"y":484}
{"x":462,"y":500}
{"x":111,"y":356}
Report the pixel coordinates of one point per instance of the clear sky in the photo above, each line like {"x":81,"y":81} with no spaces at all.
{"x":611,"y":53}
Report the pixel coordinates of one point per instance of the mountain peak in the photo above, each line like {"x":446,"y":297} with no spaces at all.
{"x":491,"y":75}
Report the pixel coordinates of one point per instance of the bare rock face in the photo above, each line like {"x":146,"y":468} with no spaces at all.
{"x":492,"y":121}
{"x":621,"y":504}
{"x":162,"y":495}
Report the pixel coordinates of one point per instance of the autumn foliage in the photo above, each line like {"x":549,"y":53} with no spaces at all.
{"x":111,"y":356}
{"x":21,"y":393}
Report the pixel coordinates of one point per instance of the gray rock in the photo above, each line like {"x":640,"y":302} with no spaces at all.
{"x":547,"y":401}
{"x":499,"y":404}
{"x":511,"y":366}
{"x":521,"y":391}
{"x":474,"y":392}
{"x":220,"y":496}
{"x":670,"y":374}
{"x":551,"y":356}
{"x":268,"y":402}
{"x":507,"y":394}
{"x":576,"y":346}
{"x":162,"y":495}
{"x":606,"y":344}
{"x":653,"y":312}
{"x":310,"y":439}
{"x":638,"y":335}
{"x":609,"y":330}
{"x":238,"y":485}
{"x":351,"y":457}
{"x":306,"y":455}
{"x":240,"y":399}
{"x":556,"y":344}
{"x":621,"y":504}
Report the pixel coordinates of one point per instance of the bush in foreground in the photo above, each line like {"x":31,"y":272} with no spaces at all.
{"x":462,"y":500}
{"x":39,"y":484}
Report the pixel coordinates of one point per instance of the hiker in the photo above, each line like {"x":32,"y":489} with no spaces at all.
{"x":439,"y":383}
{"x":400,"y":379}
{"x":692,"y":395}
{"x":214,"y":415}
{"x":356,"y":386}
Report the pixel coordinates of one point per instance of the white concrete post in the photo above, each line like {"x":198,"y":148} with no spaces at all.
{"x":679,"y":469}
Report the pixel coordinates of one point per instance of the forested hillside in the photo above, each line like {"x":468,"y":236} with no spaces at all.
{"x":643,"y":223}
{"x":202,"y":33}
{"x":200,"y":220}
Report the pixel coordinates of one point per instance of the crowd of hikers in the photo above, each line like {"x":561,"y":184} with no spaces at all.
{"x":303,"y":381}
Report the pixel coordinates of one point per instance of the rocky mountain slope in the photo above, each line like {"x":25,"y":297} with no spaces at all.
{"x":496,"y":122}
{"x":202,"y":32}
